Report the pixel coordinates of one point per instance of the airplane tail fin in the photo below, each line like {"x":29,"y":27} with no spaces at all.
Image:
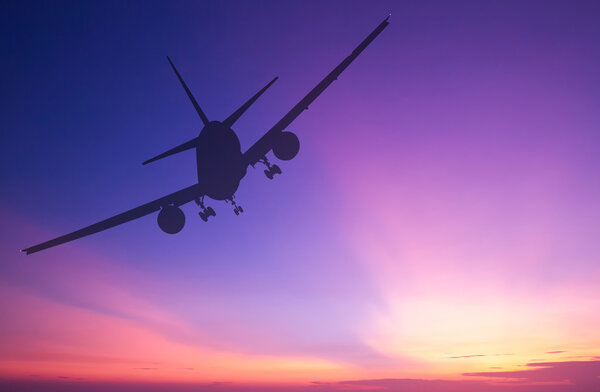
{"x":182,"y":147}
{"x":229,"y":121}
{"x":189,"y":94}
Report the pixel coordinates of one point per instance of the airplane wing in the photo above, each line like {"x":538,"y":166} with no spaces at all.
{"x":176,"y":198}
{"x":265,"y":143}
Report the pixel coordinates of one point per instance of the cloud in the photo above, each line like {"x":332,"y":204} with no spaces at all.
{"x":583,"y":374}
{"x":468,"y":356}
{"x":555,"y":352}
{"x":375,"y":385}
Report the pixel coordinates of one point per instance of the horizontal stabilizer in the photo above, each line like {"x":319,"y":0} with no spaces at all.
{"x":182,"y":147}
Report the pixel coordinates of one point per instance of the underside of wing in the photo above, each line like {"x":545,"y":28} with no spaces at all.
{"x":273,"y":136}
{"x":174,"y":199}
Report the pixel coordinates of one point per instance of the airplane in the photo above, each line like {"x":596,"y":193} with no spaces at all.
{"x":221,"y":165}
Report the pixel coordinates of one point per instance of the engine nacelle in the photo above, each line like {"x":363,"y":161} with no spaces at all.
{"x":171,"y":219}
{"x":286,"y":146}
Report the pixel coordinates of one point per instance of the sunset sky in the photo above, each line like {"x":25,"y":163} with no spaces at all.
{"x":439,"y":229}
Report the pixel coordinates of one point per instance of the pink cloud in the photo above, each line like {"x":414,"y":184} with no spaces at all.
{"x":583,"y":374}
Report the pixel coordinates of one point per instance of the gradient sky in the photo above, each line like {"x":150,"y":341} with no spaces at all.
{"x":439,"y":223}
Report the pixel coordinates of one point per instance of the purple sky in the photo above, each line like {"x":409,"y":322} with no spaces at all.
{"x":439,"y":223}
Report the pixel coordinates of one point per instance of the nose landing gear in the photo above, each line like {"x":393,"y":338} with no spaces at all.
{"x":206,"y":211}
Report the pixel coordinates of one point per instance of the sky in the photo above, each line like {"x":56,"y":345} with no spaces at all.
{"x":437,"y":231}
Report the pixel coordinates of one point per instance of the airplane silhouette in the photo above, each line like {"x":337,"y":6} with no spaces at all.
{"x":220,"y":162}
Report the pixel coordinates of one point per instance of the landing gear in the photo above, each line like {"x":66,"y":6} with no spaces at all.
{"x":206,"y":211}
{"x":237,"y":209}
{"x":271,"y":169}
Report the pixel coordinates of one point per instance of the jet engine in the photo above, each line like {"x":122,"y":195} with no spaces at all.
{"x":286,"y":146}
{"x":171,"y":219}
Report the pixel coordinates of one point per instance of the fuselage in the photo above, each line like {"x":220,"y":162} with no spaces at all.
{"x":219,"y":161}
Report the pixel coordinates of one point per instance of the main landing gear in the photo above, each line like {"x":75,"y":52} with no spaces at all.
{"x":206,"y":211}
{"x":236,"y":208}
{"x":271,"y":169}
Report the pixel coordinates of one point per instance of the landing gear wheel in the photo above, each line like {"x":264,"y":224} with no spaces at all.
{"x":236,"y":211}
{"x":240,"y":209}
{"x":206,"y":212}
{"x":271,"y":169}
